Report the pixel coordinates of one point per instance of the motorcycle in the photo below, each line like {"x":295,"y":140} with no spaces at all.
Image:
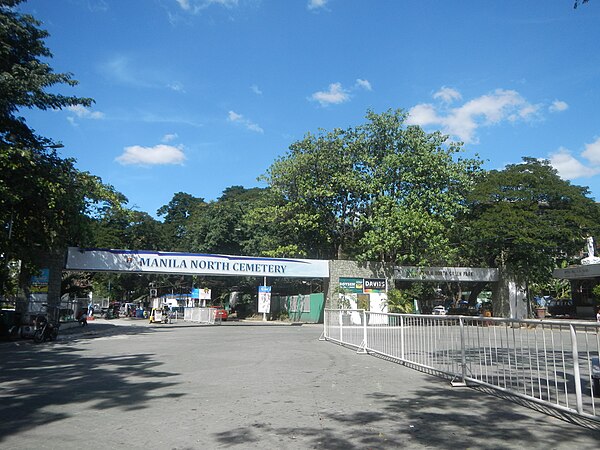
{"x":45,"y":330}
{"x":82,"y":318}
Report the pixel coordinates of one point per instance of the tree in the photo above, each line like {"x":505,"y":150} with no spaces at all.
{"x":324,"y":194}
{"x":379,"y":191}
{"x":526,"y":220}
{"x":218,"y":227}
{"x":176,"y":214}
{"x":45,"y":202}
{"x":128,"y":229}
{"x":417,"y":185}
{"x":25,"y":79}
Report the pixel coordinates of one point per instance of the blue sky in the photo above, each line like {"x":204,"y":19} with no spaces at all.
{"x":200,"y":95}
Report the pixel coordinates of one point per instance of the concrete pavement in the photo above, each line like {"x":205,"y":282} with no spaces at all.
{"x":128,"y":384}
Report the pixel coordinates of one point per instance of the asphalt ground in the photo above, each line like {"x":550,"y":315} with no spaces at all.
{"x":127,"y":384}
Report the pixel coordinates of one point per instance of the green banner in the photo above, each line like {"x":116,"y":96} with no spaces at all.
{"x":351,"y":285}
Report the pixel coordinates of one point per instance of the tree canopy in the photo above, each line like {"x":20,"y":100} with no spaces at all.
{"x":45,"y":202}
{"x":526,"y":220}
{"x":381,"y":190}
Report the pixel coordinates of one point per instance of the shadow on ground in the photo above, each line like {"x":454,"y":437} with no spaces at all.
{"x":37,"y":379}
{"x":437,"y":417}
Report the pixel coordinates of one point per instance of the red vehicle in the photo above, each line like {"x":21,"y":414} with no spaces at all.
{"x":220,"y":313}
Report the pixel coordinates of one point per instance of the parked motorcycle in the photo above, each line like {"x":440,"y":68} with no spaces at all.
{"x":82,"y":317}
{"x":45,"y":330}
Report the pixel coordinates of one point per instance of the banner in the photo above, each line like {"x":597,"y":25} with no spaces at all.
{"x":351,"y":285}
{"x":374,"y":285}
{"x":140,"y":261}
{"x":264,"y":299}
{"x":446,"y":273}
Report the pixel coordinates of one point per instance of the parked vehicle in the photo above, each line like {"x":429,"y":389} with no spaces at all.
{"x":159,"y":315}
{"x":561,"y":307}
{"x":45,"y":330}
{"x":439,"y":311}
{"x":220,"y":313}
{"x":127,"y":310}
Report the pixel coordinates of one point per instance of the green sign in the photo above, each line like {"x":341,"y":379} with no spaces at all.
{"x":351,"y":285}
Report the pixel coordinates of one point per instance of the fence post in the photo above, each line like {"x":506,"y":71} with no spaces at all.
{"x":363,"y":345}
{"x":324,"y":334}
{"x":402,"y":338}
{"x":576,"y":373}
{"x":463,"y":356}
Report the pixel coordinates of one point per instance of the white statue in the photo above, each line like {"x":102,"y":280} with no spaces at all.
{"x":590,"y":259}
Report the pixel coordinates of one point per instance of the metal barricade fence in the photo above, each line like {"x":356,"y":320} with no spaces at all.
{"x":552,"y":362}
{"x":199,"y":315}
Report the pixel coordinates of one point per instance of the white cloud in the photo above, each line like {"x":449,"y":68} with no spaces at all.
{"x":463,"y":121}
{"x":169,"y":137}
{"x":365,"y":84}
{"x":177,"y":87}
{"x":592,"y":152}
{"x":447,"y":95}
{"x":151,"y":156}
{"x":423,"y":115}
{"x":558,"y":106}
{"x":569,"y":167}
{"x":316,"y":4}
{"x":119,"y":69}
{"x":335,"y":95}
{"x":238,"y":118}
{"x":255,"y":89}
{"x":85,"y":113}
{"x":195,"y":6}
{"x":128,"y":71}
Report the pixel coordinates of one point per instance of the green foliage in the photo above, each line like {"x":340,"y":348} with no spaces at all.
{"x":176,"y":219}
{"x":322,"y":193}
{"x":378,"y":191}
{"x":123,"y":228}
{"x":526,"y":219}
{"x":554,"y":287}
{"x":596,"y":294}
{"x":25,"y":78}
{"x":400,"y":301}
{"x":45,"y":202}
{"x":220,"y":226}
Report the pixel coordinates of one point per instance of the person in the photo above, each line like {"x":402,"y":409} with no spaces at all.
{"x":598,"y":315}
{"x":90,"y":309}
{"x":82,"y":317}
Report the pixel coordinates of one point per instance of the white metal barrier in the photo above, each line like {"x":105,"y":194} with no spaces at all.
{"x":552,"y":362}
{"x":200,"y":315}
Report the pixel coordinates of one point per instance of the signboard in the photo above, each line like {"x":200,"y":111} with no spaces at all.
{"x":587,"y":271}
{"x":39,"y":282}
{"x":351,"y":285}
{"x":264,"y":299}
{"x":140,"y":261}
{"x":204,"y":294}
{"x":374,"y":285}
{"x":363,"y":285}
{"x":445,"y":273}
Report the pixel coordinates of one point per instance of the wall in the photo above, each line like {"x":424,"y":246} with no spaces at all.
{"x":308,"y":308}
{"x":353,"y":269}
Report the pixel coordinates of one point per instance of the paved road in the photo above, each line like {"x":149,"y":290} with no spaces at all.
{"x":125,"y":384}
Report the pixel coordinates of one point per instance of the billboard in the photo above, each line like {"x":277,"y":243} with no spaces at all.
{"x":141,"y":261}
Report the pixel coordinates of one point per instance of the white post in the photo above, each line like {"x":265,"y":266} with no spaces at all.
{"x":264,"y":313}
{"x":576,"y":372}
